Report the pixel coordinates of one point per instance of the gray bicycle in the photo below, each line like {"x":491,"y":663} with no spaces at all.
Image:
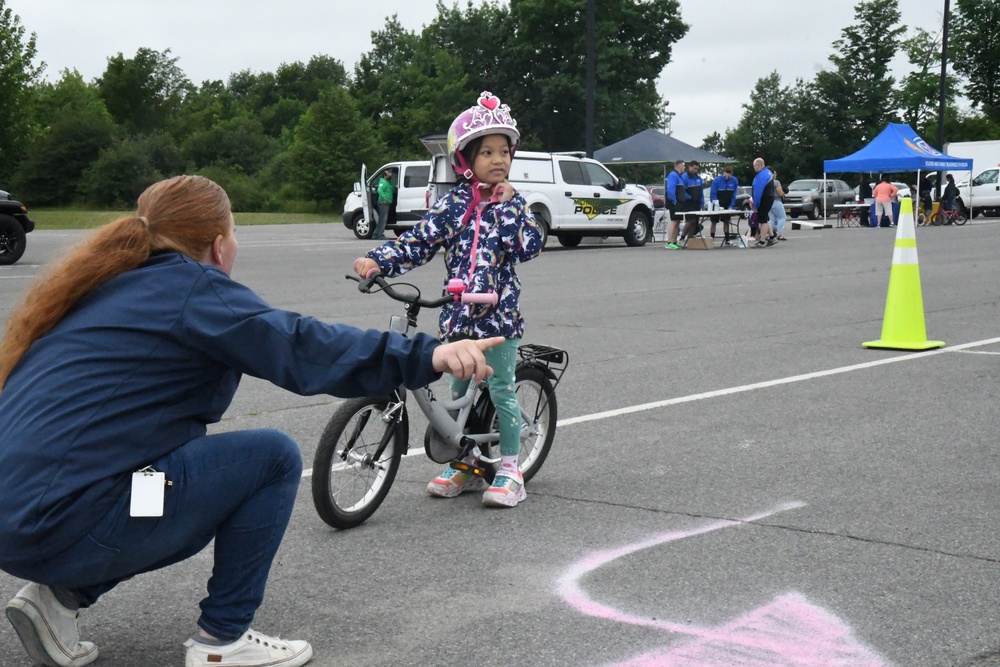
{"x":361,"y":447}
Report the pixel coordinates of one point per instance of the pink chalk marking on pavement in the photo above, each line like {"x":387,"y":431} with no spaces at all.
{"x":787,"y":632}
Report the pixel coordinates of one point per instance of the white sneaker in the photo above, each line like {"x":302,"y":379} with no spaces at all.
{"x":251,"y":650}
{"x":47,"y":629}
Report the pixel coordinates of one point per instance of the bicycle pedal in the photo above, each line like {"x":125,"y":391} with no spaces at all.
{"x":465,"y":467}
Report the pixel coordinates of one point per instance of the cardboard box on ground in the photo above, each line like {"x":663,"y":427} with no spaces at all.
{"x":700,"y":243}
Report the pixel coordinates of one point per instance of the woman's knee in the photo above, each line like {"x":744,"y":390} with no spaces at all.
{"x":278,"y":447}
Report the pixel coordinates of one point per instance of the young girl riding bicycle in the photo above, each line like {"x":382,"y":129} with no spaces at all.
{"x":485,"y":229}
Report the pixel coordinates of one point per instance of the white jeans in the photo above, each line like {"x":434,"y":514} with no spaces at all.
{"x":883,"y":207}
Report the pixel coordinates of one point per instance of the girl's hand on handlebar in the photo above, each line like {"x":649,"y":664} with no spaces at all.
{"x":464,"y":358}
{"x":364,"y":265}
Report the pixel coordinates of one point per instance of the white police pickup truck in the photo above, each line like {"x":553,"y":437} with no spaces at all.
{"x":571,"y":196}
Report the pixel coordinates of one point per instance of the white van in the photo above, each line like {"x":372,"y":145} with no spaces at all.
{"x":411,"y":198}
{"x":570,"y":195}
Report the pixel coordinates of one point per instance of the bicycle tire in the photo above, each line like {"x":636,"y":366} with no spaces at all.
{"x":959,"y":218}
{"x":937,"y":219}
{"x":536,"y":397}
{"x":346,"y":494}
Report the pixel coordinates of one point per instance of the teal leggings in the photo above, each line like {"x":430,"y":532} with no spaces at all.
{"x":503,"y":359}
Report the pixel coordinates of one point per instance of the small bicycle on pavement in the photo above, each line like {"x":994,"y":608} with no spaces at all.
{"x":360,"y":450}
{"x":946,"y":217}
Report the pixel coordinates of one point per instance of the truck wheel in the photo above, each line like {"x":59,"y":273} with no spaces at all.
{"x":569,"y":240}
{"x":815,"y":212}
{"x":362,"y":228}
{"x":356,"y":217}
{"x":638,"y":229}
{"x":543,"y":227}
{"x":13,"y":240}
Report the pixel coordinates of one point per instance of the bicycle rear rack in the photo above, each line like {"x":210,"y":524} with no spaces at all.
{"x":554,"y":359}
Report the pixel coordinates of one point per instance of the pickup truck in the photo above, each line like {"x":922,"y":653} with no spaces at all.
{"x":14,"y":227}
{"x":811,"y":197}
{"x":571,"y":196}
{"x":982,"y":195}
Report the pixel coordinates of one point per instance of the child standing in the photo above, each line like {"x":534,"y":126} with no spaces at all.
{"x":485,"y":229}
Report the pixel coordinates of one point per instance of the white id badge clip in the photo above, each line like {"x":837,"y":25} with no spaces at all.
{"x":148,"y":487}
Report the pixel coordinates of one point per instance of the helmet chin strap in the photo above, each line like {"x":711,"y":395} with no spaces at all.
{"x":478,"y":188}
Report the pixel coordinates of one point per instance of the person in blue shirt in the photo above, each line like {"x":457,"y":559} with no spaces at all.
{"x":723,"y":194}
{"x":676,"y":196}
{"x":763,"y":200}
{"x":116,"y":362}
{"x":695,"y":188}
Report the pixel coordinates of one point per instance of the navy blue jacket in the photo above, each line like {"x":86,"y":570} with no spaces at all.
{"x":140,"y":367}
{"x":721,"y":184}
{"x":695,"y":187}
{"x":763,"y":190}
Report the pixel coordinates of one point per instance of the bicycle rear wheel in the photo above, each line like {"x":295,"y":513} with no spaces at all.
{"x":350,"y":478}
{"x":959,"y":218}
{"x":537,"y":399}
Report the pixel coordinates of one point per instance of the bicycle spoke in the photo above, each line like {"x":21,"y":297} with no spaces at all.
{"x":359,"y":475}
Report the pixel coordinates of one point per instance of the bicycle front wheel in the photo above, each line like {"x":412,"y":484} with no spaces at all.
{"x":937,"y":219}
{"x":356,"y":461}
{"x":537,"y":399}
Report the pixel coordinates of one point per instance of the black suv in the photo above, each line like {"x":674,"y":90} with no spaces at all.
{"x":14,"y":227}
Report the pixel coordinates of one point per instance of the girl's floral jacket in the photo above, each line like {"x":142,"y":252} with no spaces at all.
{"x":507,"y":235}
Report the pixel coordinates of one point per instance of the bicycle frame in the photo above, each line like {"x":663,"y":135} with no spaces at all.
{"x":552,"y":361}
{"x":360,"y":450}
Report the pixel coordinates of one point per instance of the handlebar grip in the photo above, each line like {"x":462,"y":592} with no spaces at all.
{"x":371,"y":274}
{"x":471,"y":297}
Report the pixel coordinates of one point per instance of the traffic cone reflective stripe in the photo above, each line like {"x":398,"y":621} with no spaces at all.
{"x":903,"y":326}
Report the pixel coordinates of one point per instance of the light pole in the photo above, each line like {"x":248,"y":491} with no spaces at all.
{"x":591,"y":83}
{"x":941,"y":93}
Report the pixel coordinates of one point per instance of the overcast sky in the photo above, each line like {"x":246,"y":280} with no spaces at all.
{"x":729,"y":46}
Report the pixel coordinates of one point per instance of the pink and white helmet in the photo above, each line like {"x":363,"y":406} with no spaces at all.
{"x":488,"y":116}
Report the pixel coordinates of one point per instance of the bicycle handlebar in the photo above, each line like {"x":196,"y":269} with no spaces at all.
{"x":374,"y":277}
{"x":473,"y":297}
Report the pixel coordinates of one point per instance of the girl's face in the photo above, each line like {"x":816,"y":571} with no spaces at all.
{"x":492,"y":162}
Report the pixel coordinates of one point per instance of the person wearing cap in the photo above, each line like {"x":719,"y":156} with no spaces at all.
{"x":484,"y":228}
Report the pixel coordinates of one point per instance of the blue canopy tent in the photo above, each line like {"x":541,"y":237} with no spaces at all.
{"x":897,"y":148}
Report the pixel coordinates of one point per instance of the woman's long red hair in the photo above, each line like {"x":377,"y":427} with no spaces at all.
{"x":184,"y":213}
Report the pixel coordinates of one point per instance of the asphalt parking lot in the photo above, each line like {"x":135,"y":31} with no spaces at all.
{"x":735,"y":480}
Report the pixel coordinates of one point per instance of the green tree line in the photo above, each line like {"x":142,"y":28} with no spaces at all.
{"x":294,"y":139}
{"x":798,"y":124}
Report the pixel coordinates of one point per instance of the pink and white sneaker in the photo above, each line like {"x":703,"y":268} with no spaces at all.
{"x":453,"y":482}
{"x":507,"y":489}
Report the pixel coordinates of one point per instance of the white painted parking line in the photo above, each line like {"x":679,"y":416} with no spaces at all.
{"x":771,"y":383}
{"x":607,"y":414}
